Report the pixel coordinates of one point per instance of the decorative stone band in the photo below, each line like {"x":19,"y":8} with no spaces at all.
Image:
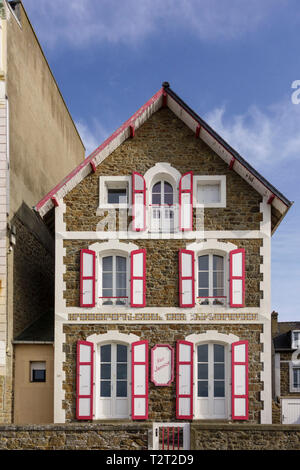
{"x":156,"y":317}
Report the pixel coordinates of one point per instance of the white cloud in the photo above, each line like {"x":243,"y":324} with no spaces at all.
{"x":262,"y":137}
{"x":92,"y":136}
{"x":82,"y":22}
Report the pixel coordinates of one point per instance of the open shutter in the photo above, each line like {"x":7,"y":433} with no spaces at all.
{"x":84,"y":380}
{"x":186,"y":202}
{"x":237,"y":278}
{"x":186,"y":278}
{"x":139,"y":379}
{"x":184,"y":380}
{"x":239,"y":359}
{"x":138,"y":278}
{"x":87,"y":278}
{"x":138,"y":202}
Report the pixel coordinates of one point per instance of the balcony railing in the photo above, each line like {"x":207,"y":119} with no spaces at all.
{"x":163,"y":218}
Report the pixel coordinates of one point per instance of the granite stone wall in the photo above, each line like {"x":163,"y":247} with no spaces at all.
{"x":164,"y":138}
{"x":162,"y":399}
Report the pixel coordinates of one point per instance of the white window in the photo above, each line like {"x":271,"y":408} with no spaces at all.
{"x":295,"y":339}
{"x":211,"y":379}
{"x":211,"y":279}
{"x":163,"y":211}
{"x":114,"y":279}
{"x":114,"y":192}
{"x":294,"y":377}
{"x":210,"y":191}
{"x":113,"y":373}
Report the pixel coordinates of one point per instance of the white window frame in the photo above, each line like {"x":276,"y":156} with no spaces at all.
{"x":210,"y":179}
{"x":293,"y":345}
{"x":225,"y":257}
{"x":114,"y":182}
{"x":114,"y":254}
{"x":292,"y":367}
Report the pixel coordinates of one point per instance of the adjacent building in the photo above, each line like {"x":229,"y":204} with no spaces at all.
{"x":162,"y":278}
{"x":39,"y":144}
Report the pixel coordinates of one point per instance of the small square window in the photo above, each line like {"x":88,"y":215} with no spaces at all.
{"x":210,"y":191}
{"x":37,"y":371}
{"x":117,"y":196}
{"x":114,"y":192}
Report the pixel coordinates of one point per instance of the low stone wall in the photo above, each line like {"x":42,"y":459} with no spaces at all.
{"x":75,"y":437}
{"x":244,"y":437}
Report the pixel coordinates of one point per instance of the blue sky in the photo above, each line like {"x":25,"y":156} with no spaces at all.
{"x":232,"y":61}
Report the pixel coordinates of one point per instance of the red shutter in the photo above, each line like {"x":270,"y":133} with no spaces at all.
{"x":87,"y":278}
{"x":138,"y":202}
{"x":237,"y":278}
{"x":139,"y":379}
{"x":186,"y":278}
{"x":239,"y":379}
{"x":84,"y":380}
{"x":184,"y":380}
{"x":186,"y":202}
{"x":138,"y":278}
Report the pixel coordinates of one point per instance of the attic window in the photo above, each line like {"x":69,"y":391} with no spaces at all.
{"x":296,"y":339}
{"x":117,"y":196}
{"x":114,"y":192}
{"x":210,"y":191}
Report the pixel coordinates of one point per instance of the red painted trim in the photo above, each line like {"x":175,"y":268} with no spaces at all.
{"x":165,"y":99}
{"x":246,"y":396}
{"x":99,"y":149}
{"x":181,"y":278}
{"x":55,"y":201}
{"x":198,"y":129}
{"x":82,"y":277}
{"x":78,"y":364}
{"x":93,"y":165}
{"x":131,"y":131}
{"x":271,"y":198}
{"x":188,"y":191}
{"x":191,"y":364}
{"x":231,"y":163}
{"x":133,"y":278}
{"x":134,"y":192}
{"x":133,"y":364}
{"x":231,"y":277}
{"x":172,"y":364}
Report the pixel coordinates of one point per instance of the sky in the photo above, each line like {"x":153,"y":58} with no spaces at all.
{"x":233,"y":61}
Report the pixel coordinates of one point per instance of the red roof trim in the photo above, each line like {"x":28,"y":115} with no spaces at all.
{"x":124,"y":126}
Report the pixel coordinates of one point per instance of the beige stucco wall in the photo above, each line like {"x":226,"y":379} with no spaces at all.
{"x":33,"y":402}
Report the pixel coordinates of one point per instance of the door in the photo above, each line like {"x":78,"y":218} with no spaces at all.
{"x":171,"y":436}
{"x":211,"y":372}
{"x":162,"y":207}
{"x":113,"y":373}
{"x":290,"y":408}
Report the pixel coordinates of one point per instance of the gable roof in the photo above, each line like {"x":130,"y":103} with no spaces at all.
{"x":167,"y":97}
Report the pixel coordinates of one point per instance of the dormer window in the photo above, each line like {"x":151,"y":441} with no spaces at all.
{"x":162,"y":207}
{"x":295,"y":339}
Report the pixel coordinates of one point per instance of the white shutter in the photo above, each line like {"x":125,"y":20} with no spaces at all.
{"x":237,"y":278}
{"x":139,"y":375}
{"x":138,"y":202}
{"x":186,"y":202}
{"x":184,"y":380}
{"x":84,"y":380}
{"x":186,"y":279}
{"x":239,"y":380}
{"x":138,"y":278}
{"x":87,"y":278}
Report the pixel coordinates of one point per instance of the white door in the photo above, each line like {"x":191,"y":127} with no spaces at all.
{"x":171,"y":436}
{"x":113,"y":372}
{"x":210,"y":374}
{"x":162,"y":207}
{"x":290,"y":408}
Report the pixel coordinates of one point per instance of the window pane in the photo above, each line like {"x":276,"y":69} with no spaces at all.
{"x":202,"y":353}
{"x":156,"y":199}
{"x":218,"y":280}
{"x":219,"y":388}
{"x":105,"y":388}
{"x":218,"y":263}
{"x":117,"y":196}
{"x":296,"y":377}
{"x":107,"y":281}
{"x":38,"y":375}
{"x":203,"y":263}
{"x":107,"y":263}
{"x":121,"y":371}
{"x":202,"y":371}
{"x":121,"y":353}
{"x":203,"y":280}
{"x":218,"y":292}
{"x":219,"y":371}
{"x":203,"y":293}
{"x":121,"y":293}
{"x":121,"y":263}
{"x":202,"y":388}
{"x":106,"y":353}
{"x":218,"y":353}
{"x":156,"y":188}
{"x":168,"y":199}
{"x":105,"y":371}
{"x":121,"y":388}
{"x":107,"y":293}
{"x":121,"y":280}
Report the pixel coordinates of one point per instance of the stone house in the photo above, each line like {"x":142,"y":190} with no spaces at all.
{"x":162,"y":278}
{"x":286,"y":367}
{"x":39,"y":144}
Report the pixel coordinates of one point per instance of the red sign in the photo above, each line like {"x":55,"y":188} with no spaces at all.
{"x":162,"y":365}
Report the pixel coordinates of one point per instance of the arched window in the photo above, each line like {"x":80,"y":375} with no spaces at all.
{"x":162,"y":207}
{"x":211,"y":279}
